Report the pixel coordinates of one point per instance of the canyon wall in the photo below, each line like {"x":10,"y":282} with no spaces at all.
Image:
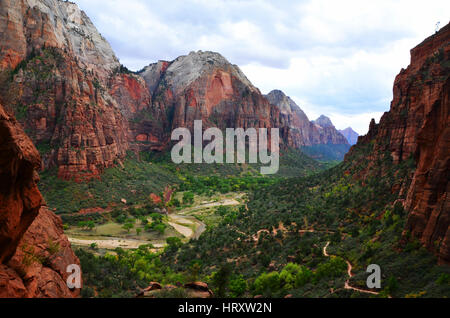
{"x":34,"y":252}
{"x":417,"y":128}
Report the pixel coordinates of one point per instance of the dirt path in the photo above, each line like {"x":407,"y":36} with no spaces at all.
{"x":183,"y":225}
{"x":325,"y":249}
{"x":113,"y":242}
{"x":350,"y":275}
{"x":206,"y":205}
{"x":180,"y":224}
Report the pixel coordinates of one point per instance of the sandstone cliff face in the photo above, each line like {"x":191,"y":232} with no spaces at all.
{"x":417,"y":126}
{"x":56,"y":69}
{"x":83,"y":111}
{"x":32,"y":24}
{"x":34,"y":252}
{"x":300,"y":131}
{"x":20,"y":198}
{"x":204,"y":85}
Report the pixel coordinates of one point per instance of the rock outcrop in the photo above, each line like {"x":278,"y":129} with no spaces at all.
{"x":20,"y":199}
{"x":417,"y":127}
{"x":34,"y":252}
{"x":28,"y":25}
{"x":350,"y":135}
{"x":190,"y":290}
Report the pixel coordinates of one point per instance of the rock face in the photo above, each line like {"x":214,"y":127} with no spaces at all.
{"x":20,"y":199}
{"x":84,"y":111}
{"x":204,"y":85}
{"x":301,"y":131}
{"x":34,"y":24}
{"x":34,"y":252}
{"x":57,"y":70}
{"x":350,"y":135}
{"x":328,"y":134}
{"x":417,"y":127}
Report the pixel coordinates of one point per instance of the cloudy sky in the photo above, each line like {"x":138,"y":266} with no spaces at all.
{"x":337,"y":58}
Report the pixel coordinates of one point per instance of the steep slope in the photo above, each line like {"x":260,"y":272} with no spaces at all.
{"x":34,"y":24}
{"x":300,"y":130}
{"x":417,"y":128}
{"x":34,"y":252}
{"x":350,"y":135}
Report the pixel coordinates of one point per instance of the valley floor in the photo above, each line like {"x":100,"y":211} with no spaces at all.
{"x":186,"y":221}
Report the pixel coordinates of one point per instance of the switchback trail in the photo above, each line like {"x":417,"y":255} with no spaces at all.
{"x":350,"y":275}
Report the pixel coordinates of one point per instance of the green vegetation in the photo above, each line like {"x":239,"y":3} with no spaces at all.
{"x":329,"y":152}
{"x":270,"y":246}
{"x":151,"y":173}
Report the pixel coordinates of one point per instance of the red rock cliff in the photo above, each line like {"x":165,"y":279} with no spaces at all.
{"x":34,"y":252}
{"x":417,"y":126}
{"x":204,"y":85}
{"x":55,"y":69}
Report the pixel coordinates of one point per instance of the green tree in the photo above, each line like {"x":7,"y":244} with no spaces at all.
{"x":238,"y":286}
{"x":267,"y":283}
{"x":128,"y":226}
{"x":174,"y":243}
{"x":188,"y":197}
{"x":220,"y":280}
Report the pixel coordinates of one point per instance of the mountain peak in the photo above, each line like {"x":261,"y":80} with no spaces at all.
{"x":350,"y":135}
{"x":186,"y":69}
{"x":284,"y":103}
{"x":323,"y":121}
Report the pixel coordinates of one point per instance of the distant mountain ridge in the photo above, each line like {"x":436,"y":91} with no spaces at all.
{"x":323,"y":121}
{"x":318,"y":139}
{"x":350,"y":135}
{"x":321,"y":131}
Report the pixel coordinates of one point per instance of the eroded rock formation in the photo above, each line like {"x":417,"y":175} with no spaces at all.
{"x":34,"y":252}
{"x":204,"y":85}
{"x":55,"y":69}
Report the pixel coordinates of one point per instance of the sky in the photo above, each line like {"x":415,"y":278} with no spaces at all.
{"x":337,"y":58}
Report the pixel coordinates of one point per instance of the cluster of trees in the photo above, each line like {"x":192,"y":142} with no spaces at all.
{"x":212,"y":184}
{"x":156,"y":224}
